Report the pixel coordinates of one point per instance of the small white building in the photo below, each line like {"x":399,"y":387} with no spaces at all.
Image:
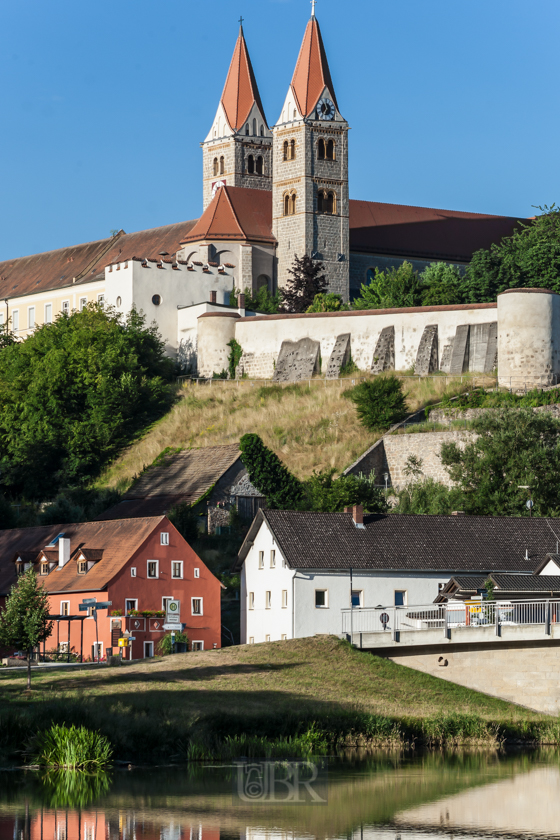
{"x":299,"y":570}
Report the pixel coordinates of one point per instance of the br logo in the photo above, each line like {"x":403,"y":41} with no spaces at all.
{"x":286,"y":782}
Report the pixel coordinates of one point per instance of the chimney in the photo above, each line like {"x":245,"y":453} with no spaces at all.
{"x":358,"y":515}
{"x":457,"y":513}
{"x":63,"y":551}
{"x":213,"y":297}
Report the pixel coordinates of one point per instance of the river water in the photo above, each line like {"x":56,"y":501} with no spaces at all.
{"x":380,"y":797}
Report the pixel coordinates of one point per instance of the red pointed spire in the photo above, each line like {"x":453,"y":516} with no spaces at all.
{"x":240,"y":90}
{"x":312,"y":74}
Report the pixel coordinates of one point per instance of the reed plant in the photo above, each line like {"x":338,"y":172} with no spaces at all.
{"x":72,"y":748}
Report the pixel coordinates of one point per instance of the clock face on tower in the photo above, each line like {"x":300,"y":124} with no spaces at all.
{"x":325,"y":109}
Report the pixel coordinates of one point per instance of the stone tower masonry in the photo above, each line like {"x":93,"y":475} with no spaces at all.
{"x":310,"y":209}
{"x":238,"y":148}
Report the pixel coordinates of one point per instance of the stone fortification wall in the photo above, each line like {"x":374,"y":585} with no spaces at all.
{"x":261,"y":337}
{"x":446,"y":416}
{"x":424,"y":445}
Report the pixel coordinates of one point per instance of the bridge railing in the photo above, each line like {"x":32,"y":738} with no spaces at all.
{"x":422,"y":617}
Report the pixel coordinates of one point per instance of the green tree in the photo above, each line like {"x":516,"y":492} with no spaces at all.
{"x":323,"y":492}
{"x":327,"y":303}
{"x":528,"y":258}
{"x":262,"y":301}
{"x":515,"y":447}
{"x":305,"y":282}
{"x":24,"y":621}
{"x":427,"y":496}
{"x":269,"y":475}
{"x":73,"y":394}
{"x":393,"y":287}
{"x":379,"y":402}
{"x":442,"y":285}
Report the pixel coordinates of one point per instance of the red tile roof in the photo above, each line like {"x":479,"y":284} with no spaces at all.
{"x":312,"y":74}
{"x":423,"y":232}
{"x":240,"y":91}
{"x":57,"y":269}
{"x":235,"y":213}
{"x":118,"y":540}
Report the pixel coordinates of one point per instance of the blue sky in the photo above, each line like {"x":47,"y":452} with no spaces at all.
{"x":452,"y":104}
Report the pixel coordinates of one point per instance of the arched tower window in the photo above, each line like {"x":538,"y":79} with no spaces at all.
{"x":321,"y":149}
{"x":286,"y":149}
{"x":222,"y":165}
{"x":247,"y":129}
{"x":286,"y":205}
{"x":262,"y":130}
{"x":326,"y":202}
{"x":331,"y":203}
{"x":250,"y":164}
{"x":330,"y":150}
{"x":254,"y":127}
{"x":259,"y":165}
{"x":215,"y":166}
{"x":292,"y":149}
{"x":293,"y":204}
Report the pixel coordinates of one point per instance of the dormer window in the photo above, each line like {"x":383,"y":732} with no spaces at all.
{"x":44,"y":568}
{"x":19,"y":567}
{"x":82,"y":567}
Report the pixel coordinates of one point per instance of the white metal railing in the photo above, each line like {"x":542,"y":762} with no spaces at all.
{"x":448,"y":616}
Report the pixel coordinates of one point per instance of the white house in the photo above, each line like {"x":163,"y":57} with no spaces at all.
{"x":300,"y":569}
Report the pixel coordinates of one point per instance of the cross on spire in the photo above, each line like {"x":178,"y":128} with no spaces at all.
{"x":313,"y":2}
{"x":241,"y":21}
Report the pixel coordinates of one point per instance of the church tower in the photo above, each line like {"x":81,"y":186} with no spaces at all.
{"x":238,"y":148}
{"x":310,"y":209}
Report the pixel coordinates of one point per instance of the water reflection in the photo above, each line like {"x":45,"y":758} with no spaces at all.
{"x":389,"y":797}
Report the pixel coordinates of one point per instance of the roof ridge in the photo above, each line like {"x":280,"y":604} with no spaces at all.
{"x":437,"y":209}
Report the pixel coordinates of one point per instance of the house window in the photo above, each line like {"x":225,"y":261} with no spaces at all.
{"x":164,"y":538}
{"x":261,"y":559}
{"x":197,"y":646}
{"x":251,"y":600}
{"x":268,"y":600}
{"x":133,"y":571}
{"x":30,"y":317}
{"x":196,"y":606}
{"x":65,"y":608}
{"x":82,"y":567}
{"x":44,"y":568}
{"x":177,"y":569}
{"x":101,"y":300}
{"x":164,"y":602}
{"x":153,"y":568}
{"x":130,"y":604}
{"x":267,"y":638}
{"x":48,"y":313}
{"x":321,"y":598}
{"x":284,"y":598}
{"x":66,"y":307}
{"x":83,"y":303}
{"x":197,"y":572}
{"x":400,"y":597}
{"x":273,"y":559}
{"x":357,"y":596}
{"x":251,"y":640}
{"x":284,"y":637}
{"x":15,"y":320}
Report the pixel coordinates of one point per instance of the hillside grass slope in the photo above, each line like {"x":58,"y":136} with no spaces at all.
{"x":310,"y":426}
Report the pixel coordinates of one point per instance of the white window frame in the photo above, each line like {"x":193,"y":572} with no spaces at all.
{"x":405,"y":598}
{"x":268,"y":599}
{"x":284,"y":599}
{"x":83,"y":303}
{"x":100,"y":646}
{"x":261,"y":559}
{"x":148,"y":575}
{"x":267,"y":637}
{"x":62,"y":610}
{"x":126,"y":601}
{"x":133,"y":571}
{"x":164,"y":601}
{"x":251,"y":640}
{"x":324,"y":606}
{"x":101,"y":300}
{"x":48,"y":313}
{"x":30,"y":317}
{"x":284,"y":637}
{"x":164,"y":538}
{"x":65,"y":307}
{"x":360,"y":598}
{"x":15,"y":320}
{"x":197,"y":572}
{"x":272,"y":559}
{"x":201,"y":606}
{"x":251,"y":601}
{"x":197,"y":642}
{"x":180,"y":564}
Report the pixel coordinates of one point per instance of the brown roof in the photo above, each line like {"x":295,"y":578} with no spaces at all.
{"x":312,"y":74}
{"x":235,"y":213}
{"x":423,"y":232}
{"x":118,"y":539}
{"x":182,"y":476}
{"x":57,"y":269}
{"x":240,"y":91}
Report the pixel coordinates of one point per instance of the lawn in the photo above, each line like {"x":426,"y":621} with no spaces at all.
{"x":269,"y":691}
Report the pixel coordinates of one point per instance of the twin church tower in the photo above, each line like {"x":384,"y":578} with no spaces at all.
{"x":302,"y":160}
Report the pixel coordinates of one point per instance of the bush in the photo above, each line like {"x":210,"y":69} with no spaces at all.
{"x":74,"y":747}
{"x":329,"y":302}
{"x":380,"y":402}
{"x":267,"y":472}
{"x":165,"y":645}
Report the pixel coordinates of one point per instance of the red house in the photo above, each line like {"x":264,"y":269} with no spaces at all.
{"x":137,"y":564}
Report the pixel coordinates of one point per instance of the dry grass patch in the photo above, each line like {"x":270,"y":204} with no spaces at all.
{"x":309,"y":426}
